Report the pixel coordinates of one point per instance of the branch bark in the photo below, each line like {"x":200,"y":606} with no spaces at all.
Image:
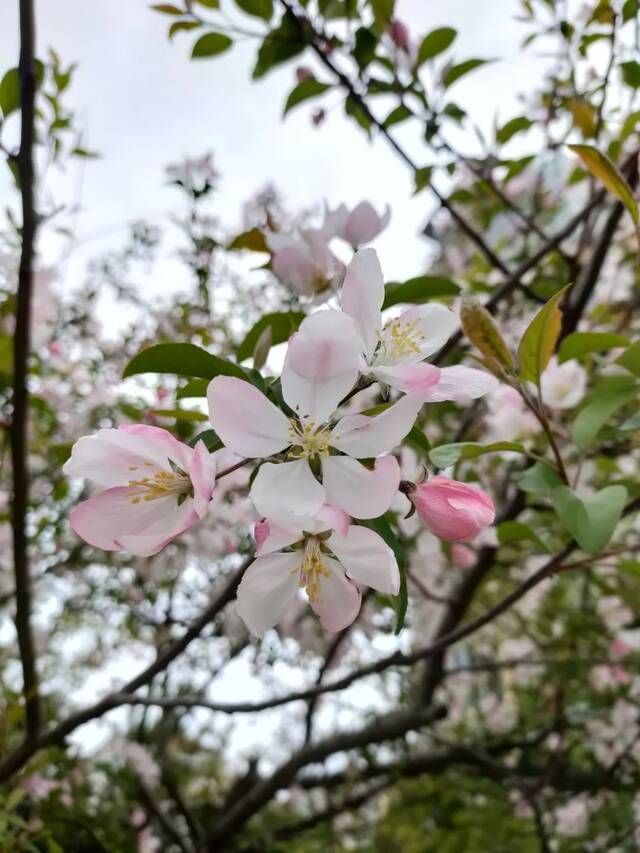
{"x":21,"y":350}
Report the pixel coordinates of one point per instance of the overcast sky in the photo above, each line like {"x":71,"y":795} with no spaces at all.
{"x":142,"y":103}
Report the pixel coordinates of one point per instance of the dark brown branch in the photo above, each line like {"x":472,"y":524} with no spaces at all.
{"x":57,"y":734}
{"x":389,"y":728}
{"x":21,"y":350}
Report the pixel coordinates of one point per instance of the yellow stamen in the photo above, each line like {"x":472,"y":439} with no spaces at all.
{"x":160,"y":485}
{"x":308,"y":440}
{"x":400,"y":339}
{"x":312,"y":570}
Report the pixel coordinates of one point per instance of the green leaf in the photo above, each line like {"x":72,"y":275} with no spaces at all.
{"x":210,"y":4}
{"x":607,"y":398}
{"x":185,"y":26}
{"x":422,"y":178}
{"x":417,"y":290}
{"x":210,"y":438}
{"x":582,"y":343}
{"x":591,"y":520}
{"x":180,"y":414}
{"x":282,"y":324}
{"x":250,"y":241}
{"x":631,"y":73}
{"x":10,"y":92}
{"x":516,"y":531}
{"x":364,"y":48}
{"x":167,"y":9}
{"x":448,"y":454}
{"x":382,"y":11}
{"x":193,"y":388}
{"x":511,"y":128}
{"x":258,"y":8}
{"x":382,"y":526}
{"x":630,"y":358}
{"x":607,"y":173}
{"x":539,"y":340}
{"x":434,"y":43}
{"x":311,"y":88}
{"x":396,"y":116}
{"x":455,"y":72}
{"x":481,"y":329}
{"x":181,"y":360}
{"x":538,"y":480}
{"x":629,"y":10}
{"x":418,"y":441}
{"x":354,"y":108}
{"x":211,"y":44}
{"x":279,"y":46}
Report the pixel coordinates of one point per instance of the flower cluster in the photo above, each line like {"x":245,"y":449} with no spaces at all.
{"x":322,"y":472}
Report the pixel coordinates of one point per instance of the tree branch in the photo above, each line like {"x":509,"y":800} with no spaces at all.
{"x":21,"y":350}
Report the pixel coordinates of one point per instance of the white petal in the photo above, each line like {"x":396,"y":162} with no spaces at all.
{"x":110,"y":457}
{"x":367,"y":559}
{"x":429,"y":328}
{"x":461,"y":384}
{"x":362,"y":296}
{"x":363,"y":437}
{"x":280,"y":490}
{"x":266,"y":590}
{"x":246,"y":421}
{"x":355,"y":489}
{"x":411,"y":378}
{"x":321,"y":365}
{"x":340,"y":599}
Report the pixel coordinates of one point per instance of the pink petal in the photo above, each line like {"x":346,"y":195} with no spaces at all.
{"x":276,"y":534}
{"x":362,"y":296}
{"x":266,"y":590}
{"x":340,"y":599}
{"x":333,"y":518}
{"x":411,"y":378}
{"x":367,"y":559}
{"x":462,"y":384}
{"x":363,"y":437}
{"x":246,"y":421}
{"x":358,"y":491}
{"x":321,"y":365}
{"x":202,"y":473}
{"x":111,"y":521}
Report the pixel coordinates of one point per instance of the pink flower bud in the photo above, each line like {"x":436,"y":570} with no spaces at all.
{"x":261,"y":532}
{"x":462,"y":556}
{"x":399,"y":34}
{"x":303,"y":73}
{"x":451,"y":510}
{"x":318,"y":117}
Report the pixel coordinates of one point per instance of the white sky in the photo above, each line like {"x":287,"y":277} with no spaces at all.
{"x":143,"y":103}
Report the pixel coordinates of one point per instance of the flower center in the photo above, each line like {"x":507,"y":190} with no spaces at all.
{"x":308,"y":441}
{"x":159,"y":483}
{"x":399,"y":340}
{"x":313,"y":569}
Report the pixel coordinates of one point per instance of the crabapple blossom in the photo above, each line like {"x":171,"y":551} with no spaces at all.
{"x":563,"y":385}
{"x":451,"y":510}
{"x":399,"y":34}
{"x":320,"y":368}
{"x":305,"y":263}
{"x":395,"y":353}
{"x":325,"y":555}
{"x":462,"y":556}
{"x":152,"y":487}
{"x":358,"y":226}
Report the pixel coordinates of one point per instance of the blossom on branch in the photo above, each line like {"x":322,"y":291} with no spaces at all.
{"x":323,"y":554}
{"x":152,"y":487}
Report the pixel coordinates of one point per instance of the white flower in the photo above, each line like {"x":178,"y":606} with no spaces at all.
{"x":324,"y":554}
{"x":563,"y":385}
{"x":320,"y":368}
